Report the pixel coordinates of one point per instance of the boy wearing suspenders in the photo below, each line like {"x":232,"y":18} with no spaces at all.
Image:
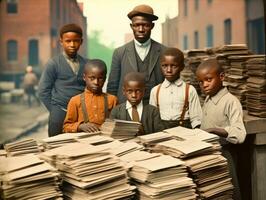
{"x":87,"y":111}
{"x":177,"y":101}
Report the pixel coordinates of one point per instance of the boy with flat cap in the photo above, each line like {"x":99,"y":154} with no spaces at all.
{"x":139,"y":55}
{"x":62,"y":77}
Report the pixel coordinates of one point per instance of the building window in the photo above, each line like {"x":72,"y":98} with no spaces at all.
{"x":227,"y":31}
{"x":209,"y":2}
{"x":33,"y":56}
{"x":12,"y":50}
{"x":185,"y":42}
{"x":196,"y":39}
{"x":185,"y":7}
{"x":196,"y":5}
{"x":12,"y":6}
{"x":209,"y":31}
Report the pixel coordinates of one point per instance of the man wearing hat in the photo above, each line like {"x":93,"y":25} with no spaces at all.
{"x":141,"y":54}
{"x":62,"y":77}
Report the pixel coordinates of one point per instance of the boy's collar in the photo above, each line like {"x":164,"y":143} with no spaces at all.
{"x":128,"y":104}
{"x":177,"y":82}
{"x":71,"y":59}
{"x":90,"y":92}
{"x":216,"y":98}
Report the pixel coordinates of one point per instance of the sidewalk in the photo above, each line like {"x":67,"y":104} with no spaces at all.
{"x":17,"y":120}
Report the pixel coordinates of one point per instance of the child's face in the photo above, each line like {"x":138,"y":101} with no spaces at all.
{"x":134,"y":92}
{"x":210,"y":80}
{"x":171,"y":68}
{"x":71,"y":42}
{"x":94,"y":78}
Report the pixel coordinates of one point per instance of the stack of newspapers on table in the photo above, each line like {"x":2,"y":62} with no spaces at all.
{"x":256,"y":86}
{"x":23,"y":147}
{"x":90,"y":172}
{"x":121,"y":129}
{"x":28,"y":177}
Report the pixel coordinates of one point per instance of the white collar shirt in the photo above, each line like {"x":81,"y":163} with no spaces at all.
{"x":171,"y":101}
{"x":142,"y":48}
{"x":139,"y":109}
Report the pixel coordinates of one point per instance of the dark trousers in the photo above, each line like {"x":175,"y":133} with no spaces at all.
{"x":229,"y":152}
{"x":174,"y":123}
{"x":30,"y":92}
{"x":56,"y":121}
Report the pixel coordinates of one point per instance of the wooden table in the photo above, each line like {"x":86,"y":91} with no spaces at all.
{"x":256,"y":129}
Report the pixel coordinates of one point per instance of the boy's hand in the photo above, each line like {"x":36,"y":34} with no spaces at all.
{"x":217,"y":131}
{"x":88,"y":127}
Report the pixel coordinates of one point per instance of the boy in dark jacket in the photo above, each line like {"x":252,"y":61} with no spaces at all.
{"x":134,"y":109}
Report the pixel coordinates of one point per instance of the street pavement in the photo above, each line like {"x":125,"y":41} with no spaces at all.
{"x":18,"y":120}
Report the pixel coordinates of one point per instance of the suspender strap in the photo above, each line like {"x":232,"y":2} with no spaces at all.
{"x":106,"y":112}
{"x":83,"y":107}
{"x":186,"y":104}
{"x":157,"y":95}
{"x":84,"y":110}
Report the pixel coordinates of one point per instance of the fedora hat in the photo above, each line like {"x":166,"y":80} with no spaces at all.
{"x":142,"y":10}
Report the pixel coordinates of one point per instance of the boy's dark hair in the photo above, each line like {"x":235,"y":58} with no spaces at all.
{"x":70,"y":28}
{"x":211,"y":63}
{"x":135,"y":76}
{"x":175,"y":52}
{"x":96,"y":63}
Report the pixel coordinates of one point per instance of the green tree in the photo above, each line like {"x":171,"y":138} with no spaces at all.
{"x":99,"y":50}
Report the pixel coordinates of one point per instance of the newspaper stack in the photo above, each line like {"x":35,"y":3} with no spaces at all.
{"x":58,"y":141}
{"x":154,"y":138}
{"x":3,"y":153}
{"x":208,"y":171}
{"x":223,"y":52}
{"x":28,"y":177}
{"x":96,"y":140}
{"x":211,"y":175}
{"x":122,"y":148}
{"x":182,"y":133}
{"x":65,"y":138}
{"x":237,"y":76}
{"x":132,"y":157}
{"x":162,"y":177}
{"x":90,"y":172}
{"x":22,"y":147}
{"x":231,"y":49}
{"x":121,"y":129}
{"x":256,"y":86}
{"x":183,"y":149}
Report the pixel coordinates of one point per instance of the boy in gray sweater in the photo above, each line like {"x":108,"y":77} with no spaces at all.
{"x":62,"y":77}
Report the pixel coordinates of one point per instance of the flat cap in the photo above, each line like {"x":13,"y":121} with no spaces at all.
{"x":142,"y":10}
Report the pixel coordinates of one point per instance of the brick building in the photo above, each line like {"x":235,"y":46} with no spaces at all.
{"x":29,"y":32}
{"x":170,"y":32}
{"x":208,"y":23}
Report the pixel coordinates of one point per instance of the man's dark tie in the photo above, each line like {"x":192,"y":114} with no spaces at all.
{"x":135,"y":114}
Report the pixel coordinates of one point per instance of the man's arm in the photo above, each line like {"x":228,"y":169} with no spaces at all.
{"x":114,"y":77}
{"x":46,"y":84}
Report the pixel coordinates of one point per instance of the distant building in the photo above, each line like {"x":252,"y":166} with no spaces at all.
{"x":170,"y":32}
{"x":208,"y":23}
{"x":29,"y":32}
{"x":256,"y":25}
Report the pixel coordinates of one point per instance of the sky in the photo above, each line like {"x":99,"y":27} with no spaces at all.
{"x":110,"y":17}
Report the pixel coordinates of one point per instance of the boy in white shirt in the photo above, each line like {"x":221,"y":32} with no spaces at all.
{"x":177,"y":101}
